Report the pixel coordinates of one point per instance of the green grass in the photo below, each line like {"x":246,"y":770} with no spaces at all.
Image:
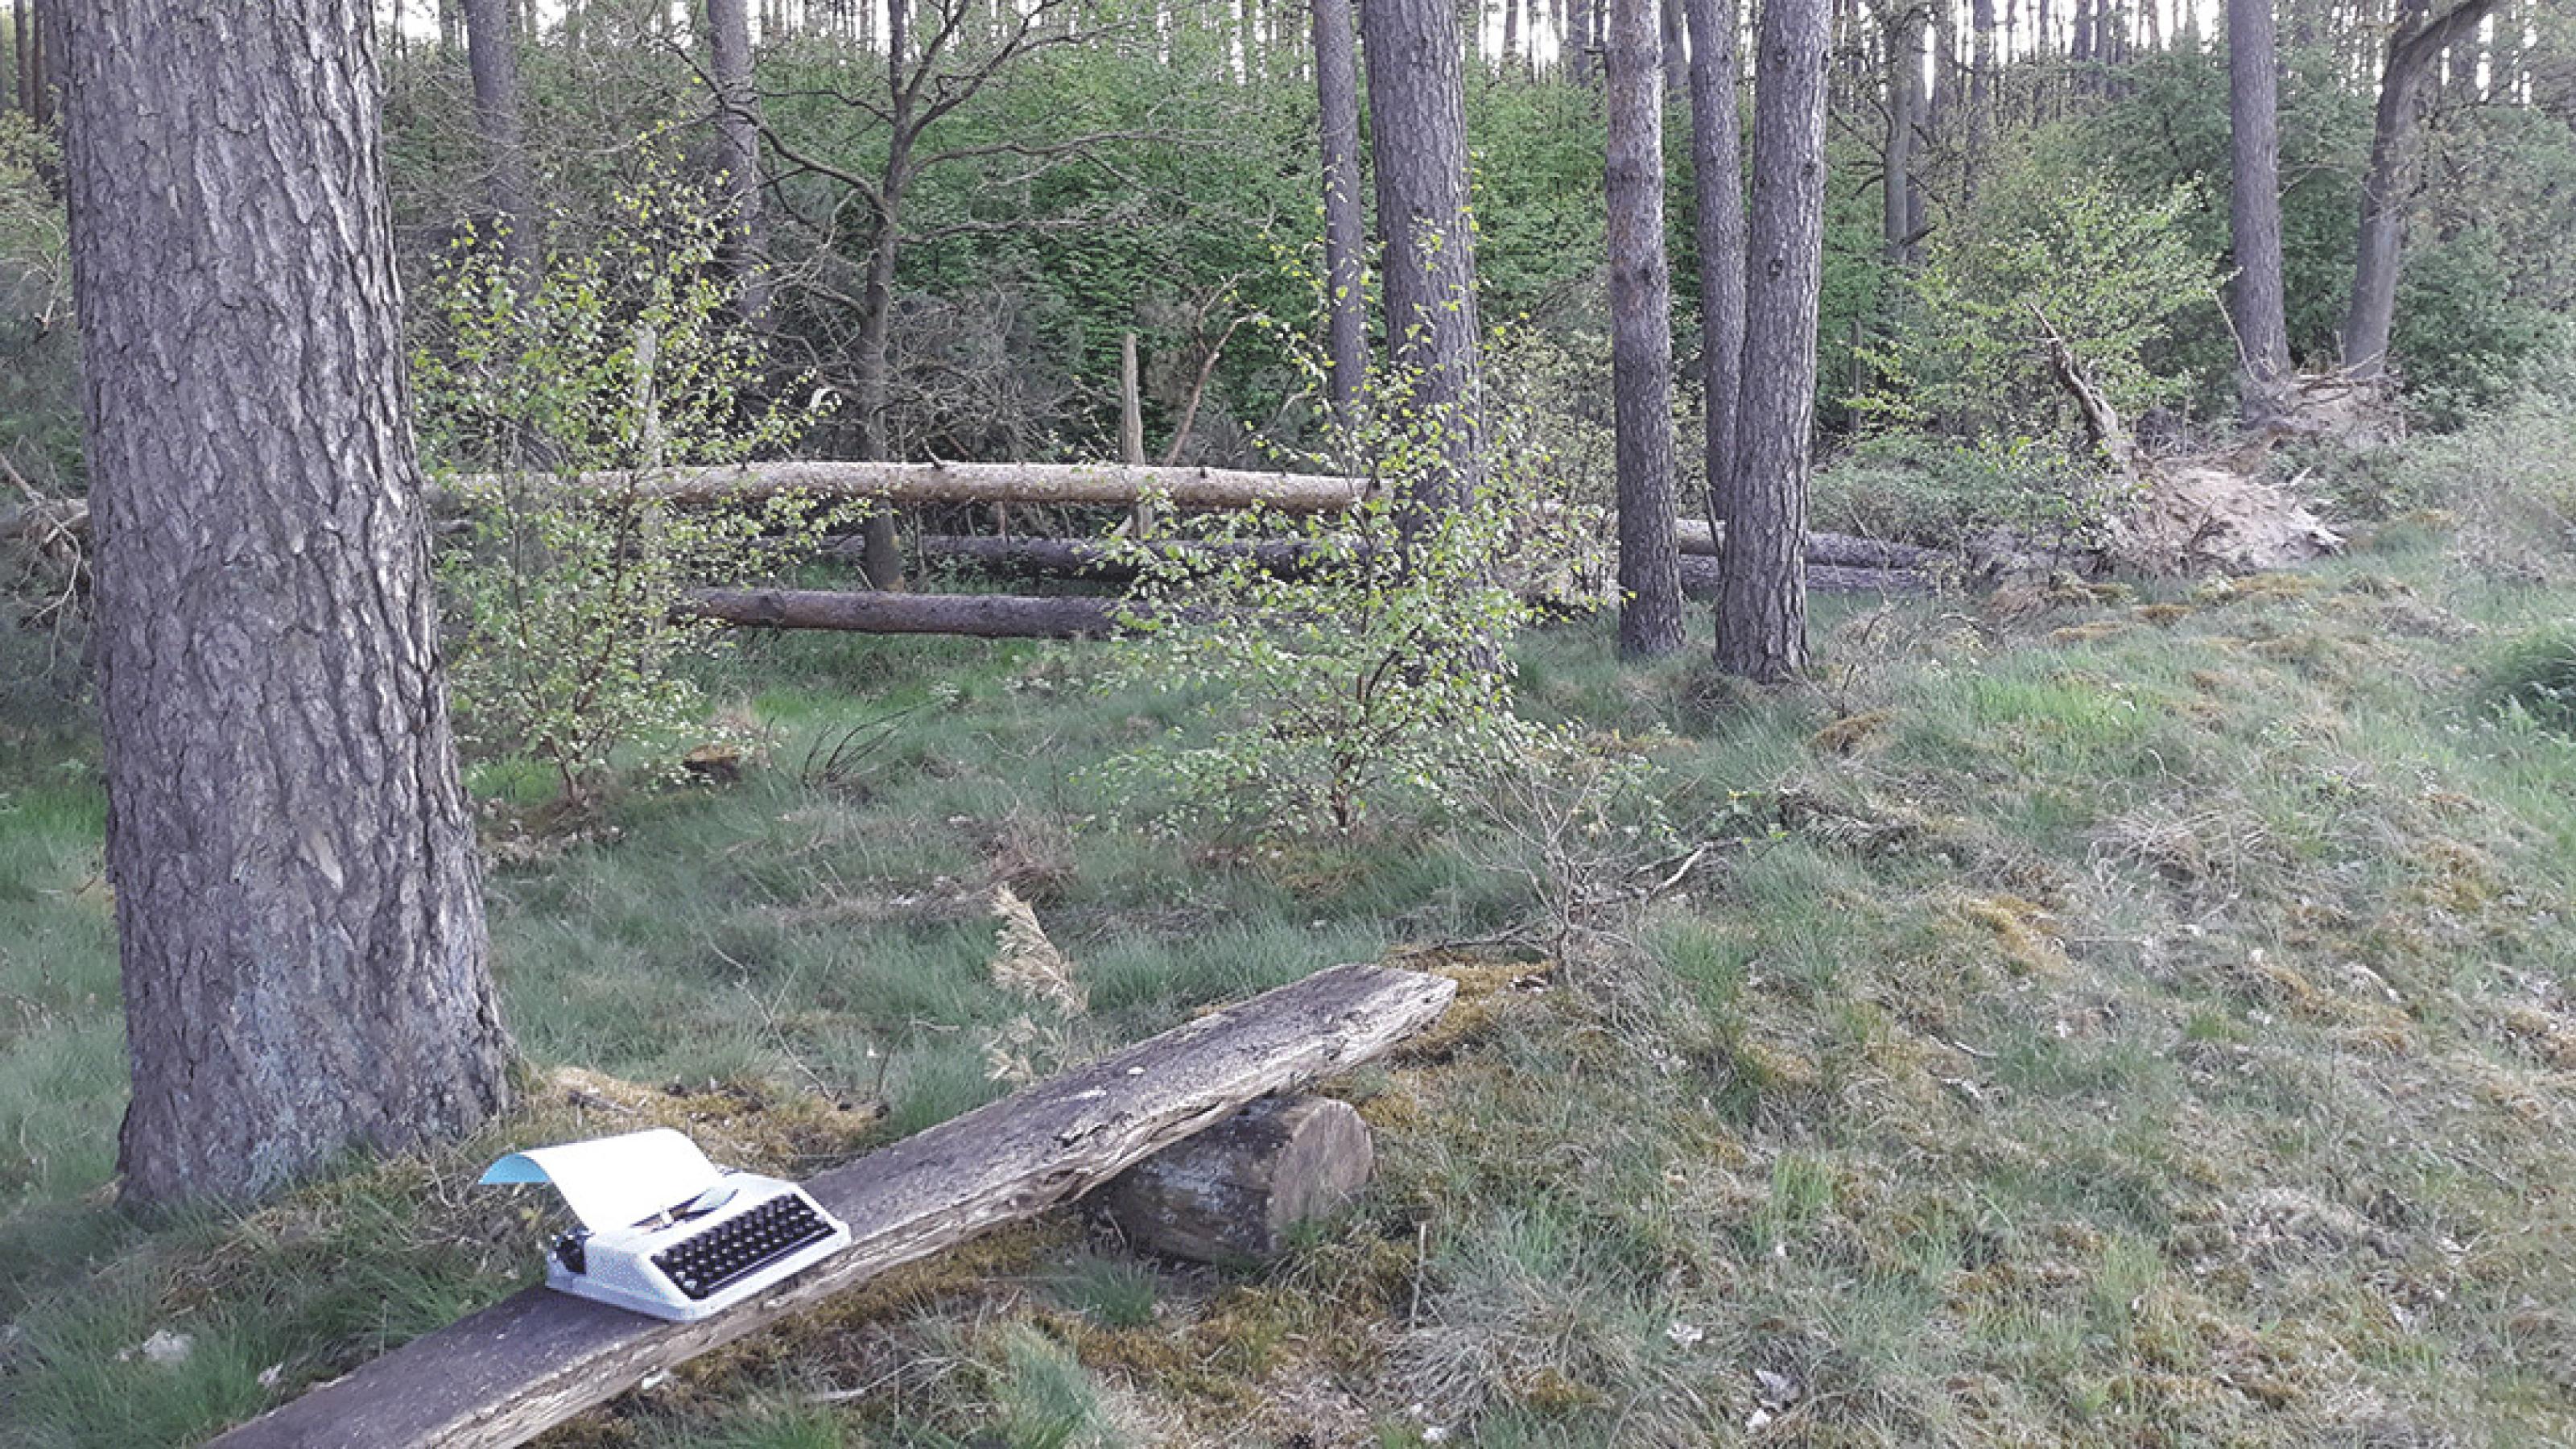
{"x":2114,"y":1020}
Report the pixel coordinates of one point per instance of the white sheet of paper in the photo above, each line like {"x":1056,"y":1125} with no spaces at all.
{"x":614,"y":1182}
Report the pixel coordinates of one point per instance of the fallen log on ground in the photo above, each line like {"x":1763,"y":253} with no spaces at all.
{"x":980,"y":616}
{"x":1089,"y":559}
{"x":1700,"y":579}
{"x":508,"y":1373}
{"x":1085,"y":559}
{"x":1838,"y":550}
{"x":1118,"y":484}
{"x":1091,"y":616}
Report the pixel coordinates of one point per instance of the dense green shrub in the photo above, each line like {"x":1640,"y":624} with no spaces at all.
{"x":565,"y":390}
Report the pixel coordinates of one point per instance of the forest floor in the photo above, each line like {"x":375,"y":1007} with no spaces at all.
{"x":2125,"y":1015}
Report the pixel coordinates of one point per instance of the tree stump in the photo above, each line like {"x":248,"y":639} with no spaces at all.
{"x":1234,"y":1192}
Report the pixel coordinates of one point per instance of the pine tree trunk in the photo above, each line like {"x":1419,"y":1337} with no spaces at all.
{"x":1676,"y":50}
{"x":1904,"y":115}
{"x":493,"y":57}
{"x":1345,"y":231}
{"x":1641,"y":340}
{"x":22,"y":32}
{"x":1717,"y":168}
{"x":1981,"y":90}
{"x":738,"y":147}
{"x":2262,"y":330}
{"x":883,"y":561}
{"x":1417,"y":108}
{"x":2373,"y":315}
{"x":1762,"y":599}
{"x":298,"y":898}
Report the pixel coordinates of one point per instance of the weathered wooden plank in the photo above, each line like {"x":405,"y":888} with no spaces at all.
{"x":506,"y":1374}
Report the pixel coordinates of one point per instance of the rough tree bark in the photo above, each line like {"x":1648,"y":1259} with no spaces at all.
{"x":297,"y":895}
{"x":2256,"y":297}
{"x":1904,"y":117}
{"x":1345,"y":233}
{"x":1641,"y":339}
{"x":738,"y":149}
{"x":883,"y":563}
{"x":1417,"y":106}
{"x":1762,"y":604}
{"x":1675,"y":54}
{"x":1717,"y":168}
{"x":1981,"y":90}
{"x":2411,"y":50}
{"x":492,"y":54}
{"x":22,"y":32}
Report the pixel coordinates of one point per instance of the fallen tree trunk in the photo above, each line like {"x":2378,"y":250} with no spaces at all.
{"x":1083,"y":558}
{"x":1840,"y":550}
{"x":980,"y":616}
{"x":505,"y":1375}
{"x":1699,"y":579}
{"x":1118,"y":484}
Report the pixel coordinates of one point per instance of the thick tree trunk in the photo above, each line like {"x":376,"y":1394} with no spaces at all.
{"x":1981,"y":89}
{"x":1345,"y":232}
{"x":2256,"y":296}
{"x":738,"y":147}
{"x":493,"y":56}
{"x":42,"y":29}
{"x":22,"y":31}
{"x":1417,"y":109}
{"x":1904,"y":115}
{"x":1641,"y":339}
{"x":884,"y":564}
{"x":1717,"y":168}
{"x":2373,"y":314}
{"x":1762,"y":607}
{"x":1674,"y":54}
{"x":297,"y":895}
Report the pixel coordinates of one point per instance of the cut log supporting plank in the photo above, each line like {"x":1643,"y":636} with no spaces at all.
{"x":1235,"y":1192}
{"x":510,"y":1372}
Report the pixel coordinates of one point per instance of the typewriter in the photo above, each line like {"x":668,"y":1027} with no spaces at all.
{"x":665,"y":1232}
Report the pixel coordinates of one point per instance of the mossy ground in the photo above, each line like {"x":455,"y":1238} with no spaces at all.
{"x":2121,"y":1018}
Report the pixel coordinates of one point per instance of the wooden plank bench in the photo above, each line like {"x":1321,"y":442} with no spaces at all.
{"x":506,"y":1374}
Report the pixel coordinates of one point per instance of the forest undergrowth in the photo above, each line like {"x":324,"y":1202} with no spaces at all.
{"x":2105,"y":1013}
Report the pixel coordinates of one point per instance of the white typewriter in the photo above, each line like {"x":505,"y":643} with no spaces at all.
{"x":667,"y":1233}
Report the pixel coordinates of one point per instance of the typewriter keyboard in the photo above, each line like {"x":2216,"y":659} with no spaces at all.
{"x":738,"y":1247}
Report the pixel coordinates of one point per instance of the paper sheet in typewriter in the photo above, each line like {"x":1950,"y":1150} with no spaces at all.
{"x":615,"y":1182}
